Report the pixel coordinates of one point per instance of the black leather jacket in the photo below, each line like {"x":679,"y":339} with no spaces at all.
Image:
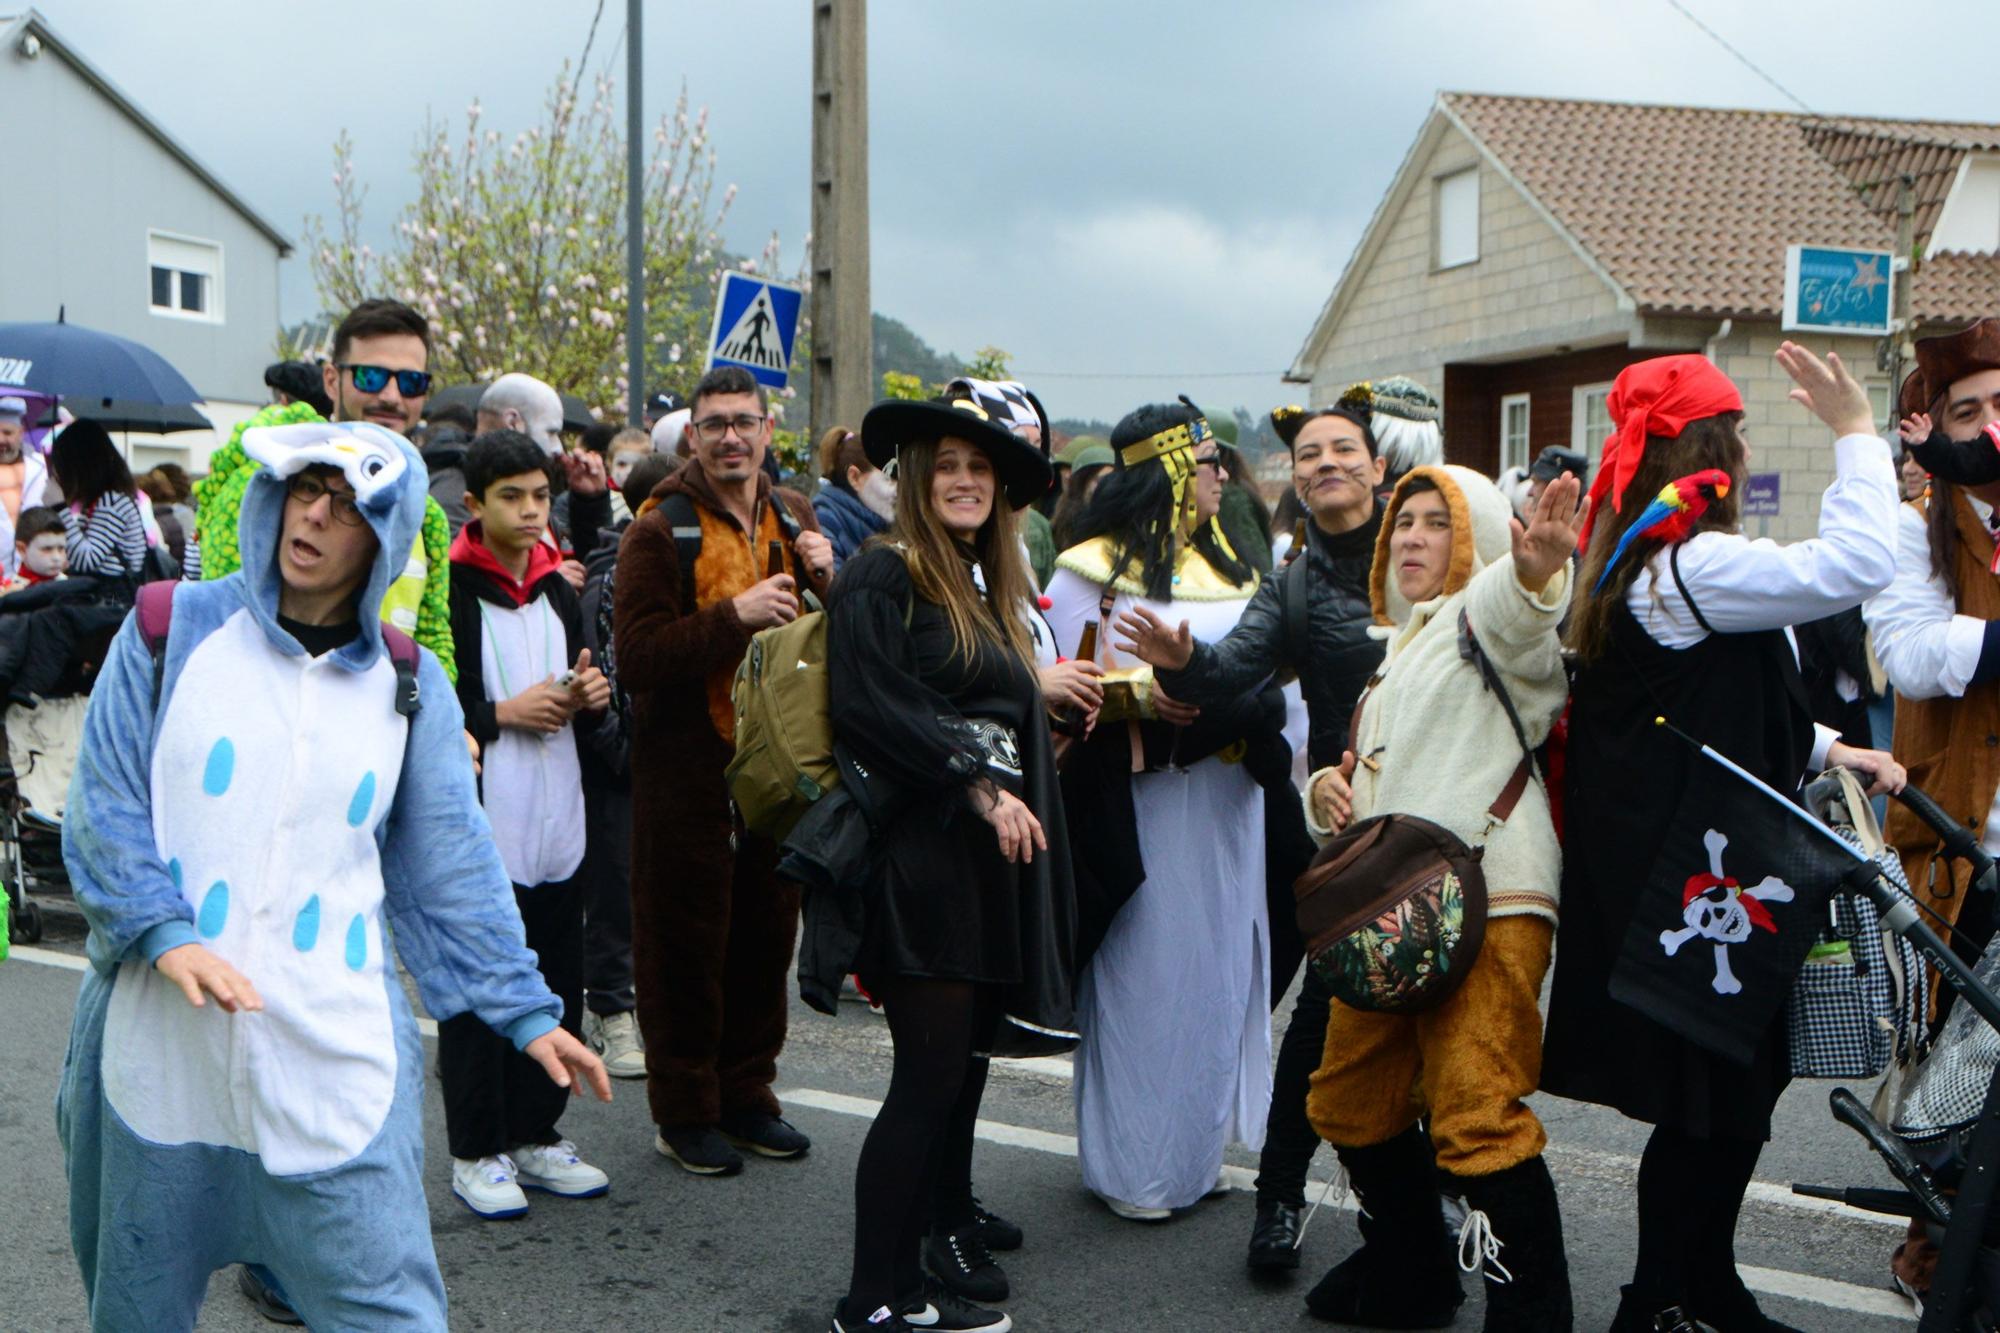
{"x":1333,"y":662}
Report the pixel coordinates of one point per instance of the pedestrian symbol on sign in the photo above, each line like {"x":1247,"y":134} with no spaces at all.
{"x":756,"y":323}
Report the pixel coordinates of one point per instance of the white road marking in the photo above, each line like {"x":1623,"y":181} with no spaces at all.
{"x":1771,"y":1281}
{"x":70,"y":962}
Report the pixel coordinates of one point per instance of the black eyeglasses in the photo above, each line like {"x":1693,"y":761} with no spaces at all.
{"x":307,"y":488}
{"x":713,"y":429}
{"x":373,"y":379}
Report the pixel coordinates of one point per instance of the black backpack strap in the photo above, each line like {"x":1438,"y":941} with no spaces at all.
{"x":685,"y":524}
{"x":1293,"y":597}
{"x":1674,"y":563}
{"x":404,"y":656}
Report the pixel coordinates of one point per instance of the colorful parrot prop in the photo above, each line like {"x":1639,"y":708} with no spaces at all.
{"x":1672,"y":514}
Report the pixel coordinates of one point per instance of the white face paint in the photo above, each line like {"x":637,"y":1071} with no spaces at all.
{"x":622,"y":464}
{"x":878,"y":492}
{"x":47,"y":555}
{"x":370,"y":457}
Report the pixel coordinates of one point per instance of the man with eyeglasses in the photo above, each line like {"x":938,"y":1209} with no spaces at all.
{"x":712,"y":926}
{"x":1311,"y":617}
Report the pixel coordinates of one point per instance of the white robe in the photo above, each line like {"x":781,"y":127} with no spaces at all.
{"x":1175,"y":1009}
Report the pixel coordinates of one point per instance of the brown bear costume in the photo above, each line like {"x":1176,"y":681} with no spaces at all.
{"x":712,"y":925}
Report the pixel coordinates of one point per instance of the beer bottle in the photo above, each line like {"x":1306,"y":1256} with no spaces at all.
{"x":774,"y":563}
{"x":1072,"y":719}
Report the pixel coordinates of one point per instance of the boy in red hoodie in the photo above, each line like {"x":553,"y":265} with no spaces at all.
{"x":40,"y":548}
{"x":527,"y":685}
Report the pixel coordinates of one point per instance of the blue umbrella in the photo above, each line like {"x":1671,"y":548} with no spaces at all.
{"x":92,"y":371}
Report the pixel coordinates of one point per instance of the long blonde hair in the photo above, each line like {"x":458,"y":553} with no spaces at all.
{"x":939,"y":573}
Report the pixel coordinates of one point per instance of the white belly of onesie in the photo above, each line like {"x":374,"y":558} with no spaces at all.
{"x":269,"y":781}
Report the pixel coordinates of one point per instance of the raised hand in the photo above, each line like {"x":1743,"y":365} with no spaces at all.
{"x":1545,"y":545}
{"x":585,"y":471}
{"x":1827,"y":391}
{"x":1152,"y":641}
{"x":1915,"y":428}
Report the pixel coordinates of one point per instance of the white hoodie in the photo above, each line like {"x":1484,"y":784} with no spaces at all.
{"x":1432,"y":740}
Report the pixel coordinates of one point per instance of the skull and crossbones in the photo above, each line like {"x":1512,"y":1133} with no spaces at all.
{"x":1718,"y":908}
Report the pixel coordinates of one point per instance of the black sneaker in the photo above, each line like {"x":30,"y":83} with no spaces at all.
{"x":699,"y":1150}
{"x":763,"y":1134}
{"x":262,"y":1299}
{"x":1274,"y":1238}
{"x":937,"y":1309}
{"x":965,"y":1266}
{"x":883,"y":1320}
{"x":999,"y":1232}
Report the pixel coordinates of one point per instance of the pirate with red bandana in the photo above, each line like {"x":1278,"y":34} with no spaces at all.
{"x":1685,"y":619}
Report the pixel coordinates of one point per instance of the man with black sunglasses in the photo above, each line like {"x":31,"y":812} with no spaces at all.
{"x":379,"y":368}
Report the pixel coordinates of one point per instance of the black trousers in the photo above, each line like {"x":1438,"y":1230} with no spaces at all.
{"x":496,"y":1098}
{"x":1289,"y":1138}
{"x":607,"y":907}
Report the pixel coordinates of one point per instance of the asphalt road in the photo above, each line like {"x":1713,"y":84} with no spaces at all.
{"x":768,"y":1250}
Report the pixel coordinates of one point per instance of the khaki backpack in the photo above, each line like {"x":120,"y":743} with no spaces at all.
{"x":784,"y":738}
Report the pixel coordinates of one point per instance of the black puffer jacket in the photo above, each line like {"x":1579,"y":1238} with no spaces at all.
{"x":1333,"y":662}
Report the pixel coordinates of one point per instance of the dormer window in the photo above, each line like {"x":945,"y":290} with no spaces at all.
{"x":1969,"y":222}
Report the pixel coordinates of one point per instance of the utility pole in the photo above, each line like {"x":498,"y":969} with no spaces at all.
{"x":635,"y":221}
{"x":1903,"y":273}
{"x":843,"y":337}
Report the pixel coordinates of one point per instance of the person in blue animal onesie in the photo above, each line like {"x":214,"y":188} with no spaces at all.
{"x":251,"y":822}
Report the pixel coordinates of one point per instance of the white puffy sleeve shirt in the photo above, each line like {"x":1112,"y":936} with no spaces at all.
{"x":1743,"y":585}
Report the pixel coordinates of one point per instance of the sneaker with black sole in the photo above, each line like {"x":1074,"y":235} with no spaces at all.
{"x":764,"y":1134}
{"x":699,"y":1150}
{"x":263,"y":1299}
{"x":999,"y":1232}
{"x":962,"y":1262}
{"x":883,"y":1320}
{"x":938,"y":1309}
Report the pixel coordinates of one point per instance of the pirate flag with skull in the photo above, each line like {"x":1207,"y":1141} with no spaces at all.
{"x":1729,"y":911}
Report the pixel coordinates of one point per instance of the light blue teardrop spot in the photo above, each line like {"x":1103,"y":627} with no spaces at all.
{"x":221,"y":767}
{"x":305,"y":930}
{"x":174,"y":874}
{"x":363,"y":802}
{"x":357,"y":942}
{"x":214,"y":910}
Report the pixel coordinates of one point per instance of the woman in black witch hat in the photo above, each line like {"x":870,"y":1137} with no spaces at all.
{"x":969,"y":916}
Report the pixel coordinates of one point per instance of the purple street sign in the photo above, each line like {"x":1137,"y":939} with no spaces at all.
{"x":1760,"y":495}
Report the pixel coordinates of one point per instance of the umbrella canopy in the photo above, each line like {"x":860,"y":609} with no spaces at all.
{"x":154,"y":418}
{"x":90,"y":368}
{"x":576,"y":413}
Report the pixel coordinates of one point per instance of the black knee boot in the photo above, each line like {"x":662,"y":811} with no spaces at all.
{"x":1520,"y":1249}
{"x":1404,"y":1274}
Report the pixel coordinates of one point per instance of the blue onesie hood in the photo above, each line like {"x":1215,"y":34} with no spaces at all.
{"x":390,"y":484}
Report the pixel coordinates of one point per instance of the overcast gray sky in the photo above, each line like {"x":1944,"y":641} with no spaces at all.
{"x":1123,"y":194}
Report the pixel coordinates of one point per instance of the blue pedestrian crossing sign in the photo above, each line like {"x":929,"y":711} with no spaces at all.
{"x":756,"y":323}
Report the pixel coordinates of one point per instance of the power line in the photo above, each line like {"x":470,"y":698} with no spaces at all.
{"x":1148,"y":374}
{"x":1746,"y":62}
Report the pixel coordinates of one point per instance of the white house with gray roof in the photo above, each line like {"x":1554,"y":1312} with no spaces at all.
{"x":109,"y":218}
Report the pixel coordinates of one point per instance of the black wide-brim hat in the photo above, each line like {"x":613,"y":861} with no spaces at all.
{"x":1023,"y":469}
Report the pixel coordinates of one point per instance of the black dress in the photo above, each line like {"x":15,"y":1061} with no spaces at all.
{"x":1742,"y":695}
{"x":924,"y":722}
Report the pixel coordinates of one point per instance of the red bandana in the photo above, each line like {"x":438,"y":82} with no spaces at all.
{"x":1657,"y":397}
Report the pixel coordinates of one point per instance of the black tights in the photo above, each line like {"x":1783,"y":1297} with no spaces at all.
{"x":1690,"y":1193}
{"x":934,"y":1025}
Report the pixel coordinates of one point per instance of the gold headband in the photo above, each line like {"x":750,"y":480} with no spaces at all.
{"x":1189,"y":437}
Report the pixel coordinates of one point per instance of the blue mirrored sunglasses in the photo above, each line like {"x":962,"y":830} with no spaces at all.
{"x":373,"y":379}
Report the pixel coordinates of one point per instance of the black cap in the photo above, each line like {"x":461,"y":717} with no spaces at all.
{"x":662,"y":401}
{"x":1555,"y":460}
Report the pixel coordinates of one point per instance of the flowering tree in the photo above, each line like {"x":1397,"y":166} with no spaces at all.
{"x":515,"y":250}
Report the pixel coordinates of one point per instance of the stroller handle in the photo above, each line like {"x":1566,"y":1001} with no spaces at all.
{"x":1960,"y":842}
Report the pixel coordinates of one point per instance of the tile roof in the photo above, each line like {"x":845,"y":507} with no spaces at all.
{"x":1689,"y":209}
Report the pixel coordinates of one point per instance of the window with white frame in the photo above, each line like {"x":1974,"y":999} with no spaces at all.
{"x":186,"y":276}
{"x":1880,"y":405}
{"x":1455,"y":218}
{"x":1514,"y":431}
{"x":1590,"y":418}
